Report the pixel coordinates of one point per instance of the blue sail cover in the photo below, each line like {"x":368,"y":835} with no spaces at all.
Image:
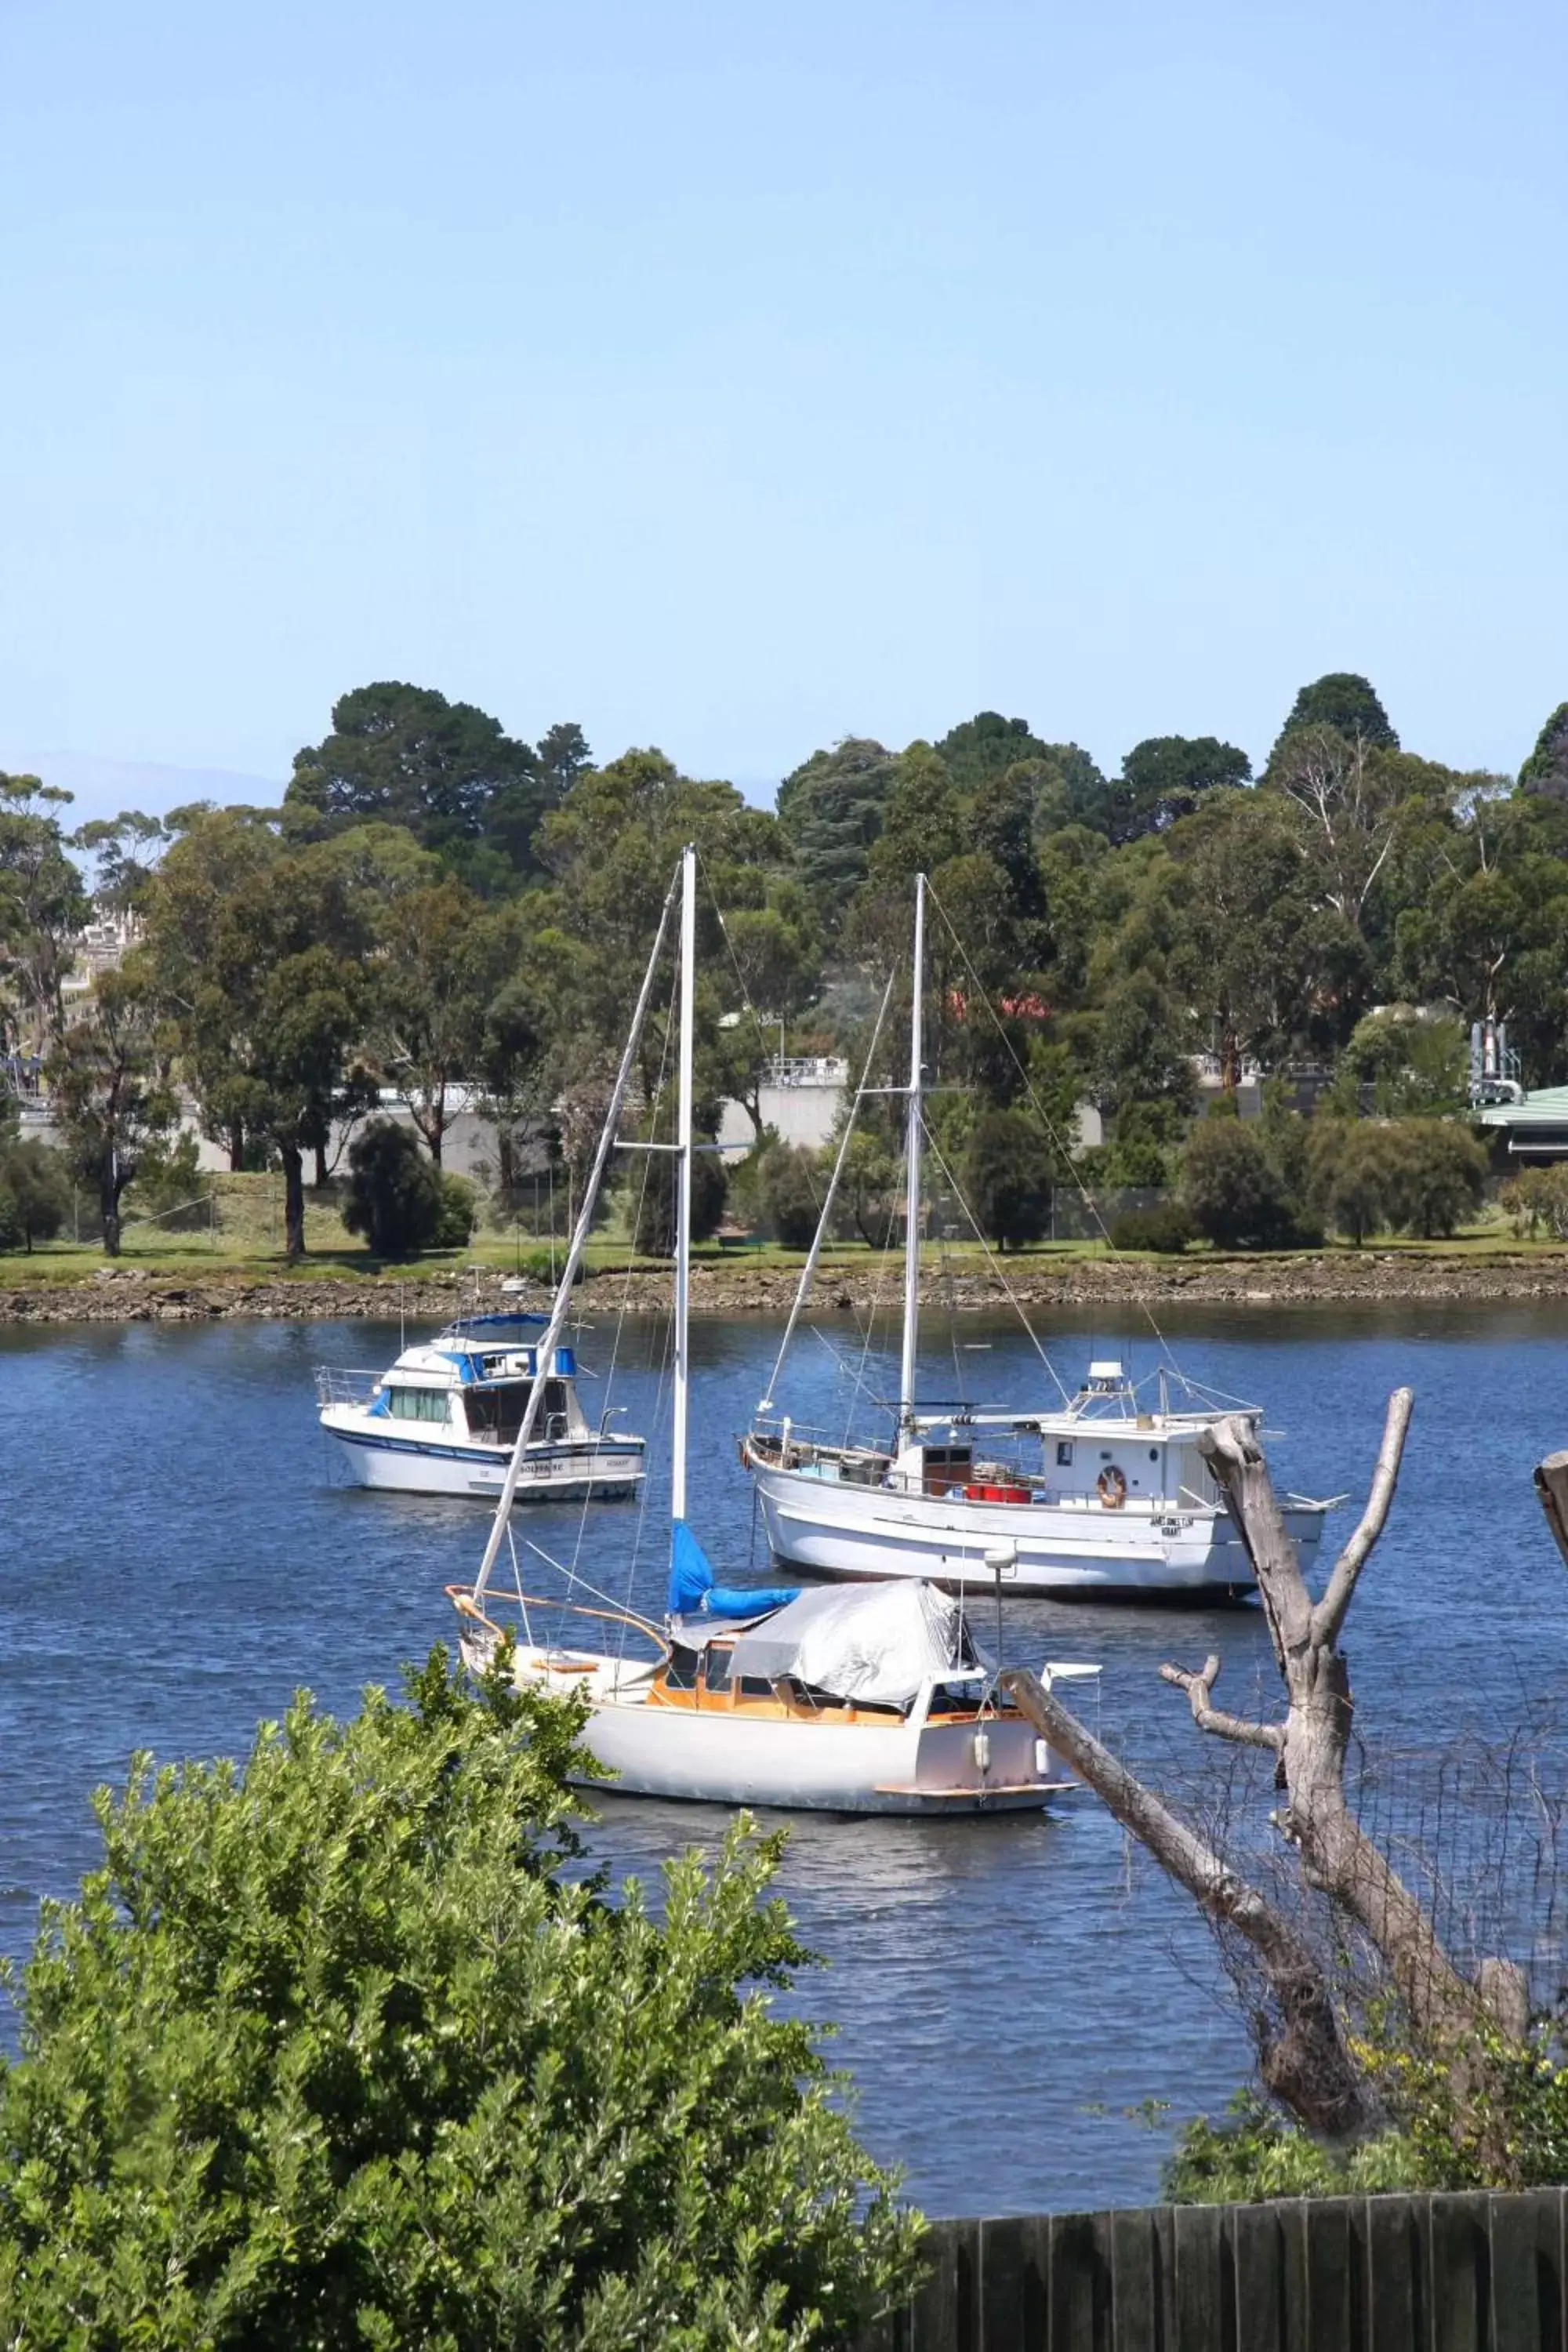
{"x":692,"y":1585}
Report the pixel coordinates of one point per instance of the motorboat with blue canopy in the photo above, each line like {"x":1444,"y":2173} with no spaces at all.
{"x":444,"y":1418}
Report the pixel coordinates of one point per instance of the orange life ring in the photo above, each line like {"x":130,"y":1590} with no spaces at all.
{"x":1112,"y":1484}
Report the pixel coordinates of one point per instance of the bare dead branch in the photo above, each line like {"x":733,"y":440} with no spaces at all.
{"x":1305,"y":2063}
{"x":1328,"y":1615}
{"x":1237,"y":1460}
{"x":1199,"y":1688}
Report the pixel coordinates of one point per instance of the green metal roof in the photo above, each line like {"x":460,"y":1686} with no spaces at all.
{"x":1548,"y":1107}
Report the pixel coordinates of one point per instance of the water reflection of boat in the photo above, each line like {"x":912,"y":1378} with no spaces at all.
{"x":868,"y":1701}
{"x":1103,"y":1495}
{"x":444,"y":1418}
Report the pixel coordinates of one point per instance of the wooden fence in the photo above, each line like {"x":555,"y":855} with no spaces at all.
{"x":1443,"y":2273}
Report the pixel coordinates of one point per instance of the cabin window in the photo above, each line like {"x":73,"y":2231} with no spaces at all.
{"x":718,"y":1669}
{"x":754,"y":1686}
{"x":681,"y":1671}
{"x":498,"y":1411}
{"x":1063,"y":1454}
{"x":418,"y":1404}
{"x":1153,"y":1453}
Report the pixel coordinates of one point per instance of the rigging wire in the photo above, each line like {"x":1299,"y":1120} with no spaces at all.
{"x":808,"y":1272}
{"x":1014,"y":1301}
{"x":1046,"y":1122}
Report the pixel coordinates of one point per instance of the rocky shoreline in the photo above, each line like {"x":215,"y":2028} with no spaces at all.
{"x":125,"y":1294}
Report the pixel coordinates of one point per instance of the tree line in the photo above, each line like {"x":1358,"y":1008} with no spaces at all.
{"x":436,"y":905}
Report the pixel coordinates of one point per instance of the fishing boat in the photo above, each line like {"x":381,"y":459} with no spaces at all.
{"x":1101,"y":1493}
{"x":865,"y":1702}
{"x":444,"y":1418}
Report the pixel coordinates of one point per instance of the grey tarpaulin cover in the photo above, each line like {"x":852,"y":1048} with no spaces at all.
{"x":875,"y":1642}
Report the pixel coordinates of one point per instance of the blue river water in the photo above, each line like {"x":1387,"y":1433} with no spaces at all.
{"x":178,"y":1556}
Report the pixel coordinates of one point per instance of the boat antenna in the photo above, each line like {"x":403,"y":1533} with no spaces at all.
{"x":809,"y":1271}
{"x":574,"y":1257}
{"x":683,"y":1183}
{"x":913,"y":1175}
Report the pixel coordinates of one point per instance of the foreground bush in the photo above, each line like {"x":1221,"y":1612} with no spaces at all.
{"x":1498,"y":2122}
{"x":328,"y":2054}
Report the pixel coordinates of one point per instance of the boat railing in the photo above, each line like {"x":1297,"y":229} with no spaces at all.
{"x":468,"y":1607}
{"x":343,"y":1384}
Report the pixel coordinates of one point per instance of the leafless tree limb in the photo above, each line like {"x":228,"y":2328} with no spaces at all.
{"x":1199,"y":1688}
{"x":1328,"y":1616}
{"x":1306,"y":2063}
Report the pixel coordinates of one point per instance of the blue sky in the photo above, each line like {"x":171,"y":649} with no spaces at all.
{"x":735,"y":378}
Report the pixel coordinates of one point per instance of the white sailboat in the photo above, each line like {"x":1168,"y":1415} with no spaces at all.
{"x":864,"y":1702}
{"x":1101,"y":1495}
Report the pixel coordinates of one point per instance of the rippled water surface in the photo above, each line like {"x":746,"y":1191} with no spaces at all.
{"x":177,"y":1558}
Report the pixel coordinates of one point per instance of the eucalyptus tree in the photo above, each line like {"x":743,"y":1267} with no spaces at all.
{"x":43,"y":900}
{"x":112,"y":1094}
{"x":610,"y":850}
{"x":441,"y":961}
{"x":259,"y":952}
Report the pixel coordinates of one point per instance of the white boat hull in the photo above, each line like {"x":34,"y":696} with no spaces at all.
{"x":555,"y":1471}
{"x":1061,"y":1551}
{"x":717,"y":1756}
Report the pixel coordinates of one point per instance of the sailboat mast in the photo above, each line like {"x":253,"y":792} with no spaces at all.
{"x":546,"y":1353}
{"x":683,"y":1178}
{"x":912,"y":1172}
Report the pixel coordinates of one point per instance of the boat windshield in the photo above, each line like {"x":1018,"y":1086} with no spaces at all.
{"x":497,"y":1410}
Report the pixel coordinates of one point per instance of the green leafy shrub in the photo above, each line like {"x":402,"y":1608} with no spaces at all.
{"x":329,"y":2052}
{"x":1351,"y":1165}
{"x":1007,"y":1178}
{"x":539,"y":1265}
{"x":34,"y":1182}
{"x":11,"y":1230}
{"x":790,"y":1187}
{"x":394,"y":1191}
{"x":653,"y":1201}
{"x":1167,"y":1228}
{"x":1437,"y":1176}
{"x":170,"y":1187}
{"x":1258,"y":2153}
{"x":1534,"y":1198}
{"x":457,"y":1213}
{"x":1233,"y":1189}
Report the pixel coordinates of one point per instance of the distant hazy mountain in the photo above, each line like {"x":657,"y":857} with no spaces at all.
{"x":103,"y":787}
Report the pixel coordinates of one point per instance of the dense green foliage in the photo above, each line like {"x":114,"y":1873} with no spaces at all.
{"x":790,"y":1191}
{"x":1007,"y":1181}
{"x":34,"y":1194}
{"x":338,"y":2048}
{"x":449,"y":912}
{"x":1501,"y":2124}
{"x":395,"y":1194}
{"x":405,"y":755}
{"x":650,"y":1193}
